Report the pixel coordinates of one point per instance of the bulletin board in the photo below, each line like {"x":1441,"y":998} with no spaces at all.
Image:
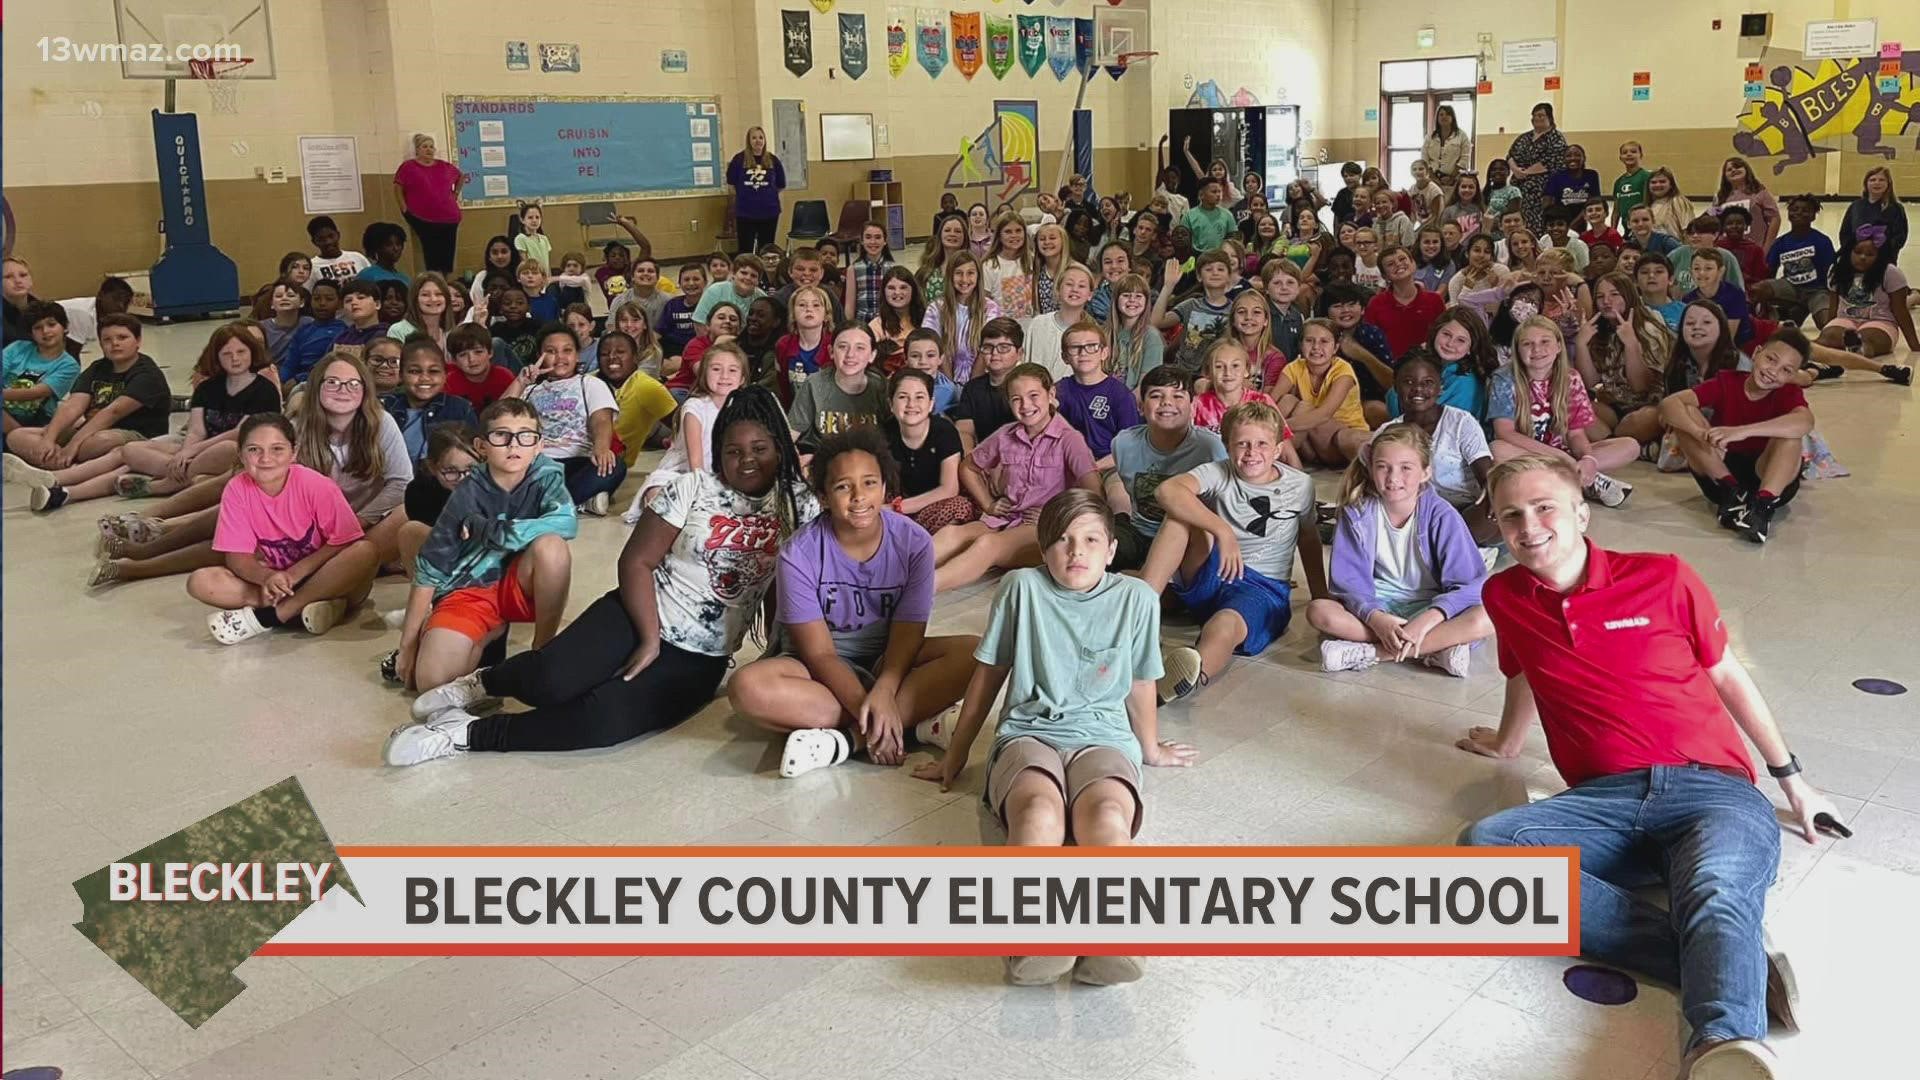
{"x":514,"y":147}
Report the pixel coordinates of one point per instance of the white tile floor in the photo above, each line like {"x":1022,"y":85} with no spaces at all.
{"x":167,"y":726}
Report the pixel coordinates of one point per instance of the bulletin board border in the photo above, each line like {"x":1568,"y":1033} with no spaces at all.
{"x":510,"y":202}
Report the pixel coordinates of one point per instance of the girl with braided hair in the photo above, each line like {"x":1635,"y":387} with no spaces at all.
{"x":651,"y":653}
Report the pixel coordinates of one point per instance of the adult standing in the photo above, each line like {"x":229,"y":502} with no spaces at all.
{"x":757,"y":178}
{"x":1623,"y":659}
{"x":427,"y":188}
{"x":1446,"y":150}
{"x":1534,"y":156}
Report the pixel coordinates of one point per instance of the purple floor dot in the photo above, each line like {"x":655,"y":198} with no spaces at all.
{"x":36,"y":1072}
{"x":1882,"y":687}
{"x":1602,"y":986}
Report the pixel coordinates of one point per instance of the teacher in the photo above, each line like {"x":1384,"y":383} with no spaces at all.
{"x":1445,"y":151}
{"x":426,"y":187}
{"x":1536,"y":155}
{"x":757,"y":178}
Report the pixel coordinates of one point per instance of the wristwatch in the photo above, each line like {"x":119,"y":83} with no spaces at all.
{"x":1791,"y":768}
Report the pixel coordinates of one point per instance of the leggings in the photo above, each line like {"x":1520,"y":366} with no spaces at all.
{"x":957,"y":510}
{"x":755,"y":233}
{"x":436,"y":242}
{"x":579,"y":700}
{"x":584,"y":481}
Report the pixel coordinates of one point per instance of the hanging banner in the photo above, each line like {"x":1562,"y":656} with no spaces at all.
{"x":966,"y":42}
{"x":1033,"y":43}
{"x":896,"y":41}
{"x":1059,"y":45}
{"x":999,"y":45}
{"x":930,"y":39}
{"x":797,"y":29}
{"x":1083,"y":45}
{"x":823,"y":6}
{"x":853,"y":44}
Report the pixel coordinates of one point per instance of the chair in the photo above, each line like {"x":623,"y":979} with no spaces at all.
{"x":596,"y":213}
{"x":854,"y":215}
{"x":809,"y":220}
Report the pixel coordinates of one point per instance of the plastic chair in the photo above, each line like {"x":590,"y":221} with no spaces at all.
{"x":809,"y":220}
{"x":854,"y":215}
{"x":596,"y":213}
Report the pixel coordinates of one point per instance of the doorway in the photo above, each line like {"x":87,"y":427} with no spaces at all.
{"x":1410,"y":92}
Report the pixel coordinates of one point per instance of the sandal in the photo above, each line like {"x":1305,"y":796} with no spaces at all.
{"x":813,"y":748}
{"x":133,"y":486}
{"x":142,"y":529}
{"x":234,"y":625}
{"x":104,"y":573}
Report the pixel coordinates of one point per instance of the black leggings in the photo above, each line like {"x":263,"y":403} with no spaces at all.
{"x":755,"y":233}
{"x":579,"y":700}
{"x":437,"y":239}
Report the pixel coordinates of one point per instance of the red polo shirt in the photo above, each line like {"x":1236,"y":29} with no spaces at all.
{"x":1618,"y":664}
{"x":1405,"y":325}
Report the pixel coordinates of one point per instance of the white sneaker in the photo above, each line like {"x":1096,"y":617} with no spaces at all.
{"x":322,"y":616}
{"x":458,"y":694}
{"x":813,"y":748}
{"x":1736,"y":1059}
{"x":20,"y":471}
{"x":1490,"y":556}
{"x":443,"y":736}
{"x":937,"y":730}
{"x":235,"y":625}
{"x":597,"y":505}
{"x":1107,"y":970}
{"x":1337,"y":655}
{"x":1455,"y":660}
{"x":1183,"y":676}
{"x":1607,"y":491}
{"x":395,"y":619}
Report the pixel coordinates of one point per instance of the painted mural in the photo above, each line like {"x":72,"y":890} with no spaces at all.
{"x":1811,"y":107}
{"x":1002,"y":162}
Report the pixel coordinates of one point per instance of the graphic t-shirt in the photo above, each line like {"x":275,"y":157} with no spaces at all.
{"x":859,"y":601}
{"x":224,"y":410}
{"x":1098,"y":412}
{"x":1726,"y":394}
{"x":1629,"y":191}
{"x":920,"y":468}
{"x":1802,"y":261}
{"x":309,"y":513}
{"x":564,"y":406}
{"x":1502,"y":404}
{"x":24,"y":368}
{"x":710,"y":584}
{"x":1862,"y":305}
{"x":821,"y":408}
{"x":1143,"y":467}
{"x":143,"y":381}
{"x":342,"y":267}
{"x":1072,"y":658}
{"x":1202,"y":322}
{"x":1266,"y":518}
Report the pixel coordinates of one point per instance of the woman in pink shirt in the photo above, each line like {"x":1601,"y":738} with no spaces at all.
{"x":426,"y":188}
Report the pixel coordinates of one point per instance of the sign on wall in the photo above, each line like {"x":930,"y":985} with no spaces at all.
{"x":330,"y":175}
{"x":1532,"y":55}
{"x":1841,"y":39}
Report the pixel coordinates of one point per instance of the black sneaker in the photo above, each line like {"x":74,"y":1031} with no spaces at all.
{"x":1823,"y":372}
{"x":1755,"y":523}
{"x":45,"y":499}
{"x":1897,"y":373}
{"x":390,"y":667}
{"x":1731,"y":514}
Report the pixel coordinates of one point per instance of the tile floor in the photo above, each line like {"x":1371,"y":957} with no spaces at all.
{"x":170,"y":727}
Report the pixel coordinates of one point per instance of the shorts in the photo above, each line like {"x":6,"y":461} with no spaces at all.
{"x":1264,"y":604}
{"x":1887,"y":328}
{"x":1405,"y":609}
{"x":478,"y":610}
{"x":1813,"y":299}
{"x":1072,"y":771}
{"x":1129,"y":545}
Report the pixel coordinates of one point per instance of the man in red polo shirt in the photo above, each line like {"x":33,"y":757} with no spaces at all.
{"x":1403,"y":310}
{"x":1623,"y":659}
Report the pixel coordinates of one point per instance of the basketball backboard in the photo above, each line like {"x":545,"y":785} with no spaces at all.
{"x":160,"y":37}
{"x":1118,"y":31}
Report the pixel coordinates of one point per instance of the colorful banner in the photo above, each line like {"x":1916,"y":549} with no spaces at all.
{"x":930,"y":39}
{"x":1083,"y":45}
{"x":797,"y":32}
{"x":999,"y":45}
{"x":1033,"y":43}
{"x":1059,"y":45}
{"x":896,"y":41}
{"x":966,"y":42}
{"x":853,"y":44}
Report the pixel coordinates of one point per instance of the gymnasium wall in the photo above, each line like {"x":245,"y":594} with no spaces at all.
{"x":1697,"y":76}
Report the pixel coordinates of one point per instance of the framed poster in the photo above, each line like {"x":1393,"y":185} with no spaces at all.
{"x":1534,"y":54}
{"x":330,"y":175}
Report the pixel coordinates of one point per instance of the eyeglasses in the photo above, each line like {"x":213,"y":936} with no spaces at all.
{"x":351,"y":386}
{"x":503,"y":437}
{"x":1085,"y":348}
{"x":383,"y":361}
{"x":998,"y":348}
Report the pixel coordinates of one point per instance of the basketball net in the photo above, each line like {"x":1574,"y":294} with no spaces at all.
{"x":222,"y":79}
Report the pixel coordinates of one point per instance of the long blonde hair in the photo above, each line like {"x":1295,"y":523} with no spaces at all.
{"x":1129,"y":361}
{"x":1025,"y":258}
{"x":1061,"y":261}
{"x":313,"y":442}
{"x":1357,"y":485}
{"x":976,"y":308}
{"x":1656,"y":341}
{"x":1262,"y":343}
{"x":1559,"y":383}
{"x":762,"y":159}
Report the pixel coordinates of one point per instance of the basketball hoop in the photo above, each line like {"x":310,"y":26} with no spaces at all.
{"x":223,"y":81}
{"x":1127,"y":58}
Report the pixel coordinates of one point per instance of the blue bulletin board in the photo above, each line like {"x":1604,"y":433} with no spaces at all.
{"x":559,"y":148}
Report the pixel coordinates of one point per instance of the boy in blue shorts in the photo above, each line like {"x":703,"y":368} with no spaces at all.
{"x":1226,"y":548}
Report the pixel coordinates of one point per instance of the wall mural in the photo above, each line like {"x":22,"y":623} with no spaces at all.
{"x":1208,"y":95}
{"x":1002,"y":162}
{"x":1810,"y":102}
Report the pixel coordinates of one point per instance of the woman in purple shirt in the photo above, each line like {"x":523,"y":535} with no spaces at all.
{"x":427,"y":189}
{"x":757,"y":178}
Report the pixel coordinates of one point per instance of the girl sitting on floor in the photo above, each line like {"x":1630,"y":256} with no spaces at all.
{"x":855,"y":670}
{"x":1459,"y":458}
{"x":1621,"y":349}
{"x":927,"y":448}
{"x":1318,"y":396}
{"x":720,"y":373}
{"x":344,"y":433}
{"x":650,"y":653}
{"x":291,"y":544}
{"x":1559,"y":421}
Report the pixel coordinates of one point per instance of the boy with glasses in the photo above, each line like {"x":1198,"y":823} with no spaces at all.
{"x":982,"y":408}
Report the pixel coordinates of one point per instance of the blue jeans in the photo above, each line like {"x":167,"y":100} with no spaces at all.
{"x":584,"y":481}
{"x":1711,"y":838}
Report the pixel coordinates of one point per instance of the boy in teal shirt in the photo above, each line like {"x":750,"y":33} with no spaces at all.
{"x":1209,"y":223}
{"x":37,"y":371}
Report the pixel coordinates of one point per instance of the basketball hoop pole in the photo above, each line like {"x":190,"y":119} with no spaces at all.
{"x":1079,"y":100}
